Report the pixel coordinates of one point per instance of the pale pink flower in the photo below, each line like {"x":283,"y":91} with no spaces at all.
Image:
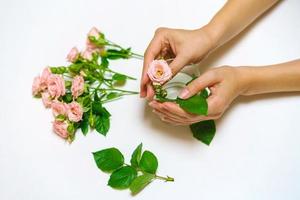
{"x":75,"y":112}
{"x":46,"y":99}
{"x":73,"y":55}
{"x":77,"y":86}
{"x":56,"y":86}
{"x":94,"y":32}
{"x":87,"y":54}
{"x":61,"y":128}
{"x":59,"y":108}
{"x":159,"y":71}
{"x":36,"y":86}
{"x":45,"y":75}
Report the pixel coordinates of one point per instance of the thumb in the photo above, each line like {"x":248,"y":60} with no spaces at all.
{"x":200,"y":83}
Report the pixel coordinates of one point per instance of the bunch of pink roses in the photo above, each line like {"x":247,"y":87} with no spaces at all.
{"x":50,"y":87}
{"x":76,"y":93}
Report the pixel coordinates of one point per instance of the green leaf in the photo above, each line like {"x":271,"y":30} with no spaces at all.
{"x":102,"y":124}
{"x":67,"y":98}
{"x":148,"y":162}
{"x":113,"y":95}
{"x":196,"y":105}
{"x":122,"y":178}
{"x":104,"y":62}
{"x":140,"y":183}
{"x":119,"y":77}
{"x":108,"y":159}
{"x":98,"y":109}
{"x":84,"y":125}
{"x":204,"y":93}
{"x":136,"y":156}
{"x":204,"y":131}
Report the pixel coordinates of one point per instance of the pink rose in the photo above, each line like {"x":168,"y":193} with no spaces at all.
{"x":46,"y":99}
{"x":61,"y":128}
{"x":45,"y":75}
{"x":75,"y":112}
{"x":159,"y":71}
{"x":94,"y":32}
{"x":56,"y":86}
{"x":59,"y":108}
{"x":77,"y":86}
{"x":87,"y":54}
{"x":36,"y":86}
{"x":73,"y":55}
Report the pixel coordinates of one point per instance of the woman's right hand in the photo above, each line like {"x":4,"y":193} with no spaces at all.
{"x":183,"y":46}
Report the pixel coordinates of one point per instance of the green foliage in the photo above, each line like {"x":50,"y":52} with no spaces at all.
{"x":136,"y":176}
{"x":196,"y":104}
{"x":109,"y":159}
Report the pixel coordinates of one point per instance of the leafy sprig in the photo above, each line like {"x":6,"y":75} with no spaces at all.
{"x":136,"y":176}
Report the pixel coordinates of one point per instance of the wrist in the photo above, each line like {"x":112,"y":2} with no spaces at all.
{"x":215,"y":32}
{"x":246,"y":80}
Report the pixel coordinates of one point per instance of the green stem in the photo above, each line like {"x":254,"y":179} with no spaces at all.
{"x":166,"y":179}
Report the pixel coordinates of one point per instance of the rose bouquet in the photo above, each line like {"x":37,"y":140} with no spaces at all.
{"x":76,"y":92}
{"x":159,"y":73}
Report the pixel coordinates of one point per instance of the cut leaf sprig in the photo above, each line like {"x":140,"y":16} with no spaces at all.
{"x":135,"y":176}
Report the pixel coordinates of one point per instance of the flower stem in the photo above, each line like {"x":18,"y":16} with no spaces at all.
{"x":166,"y":179}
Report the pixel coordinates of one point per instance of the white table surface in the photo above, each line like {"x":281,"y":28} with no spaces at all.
{"x":256,"y":151}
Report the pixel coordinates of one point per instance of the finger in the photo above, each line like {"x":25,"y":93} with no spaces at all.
{"x":178,"y":63}
{"x":161,"y":107}
{"x":151,"y":52}
{"x":175,"y":108}
{"x":161,"y":112}
{"x":150,"y":92}
{"x":170,"y":120}
{"x":203,"y":81}
{"x":172,"y":110}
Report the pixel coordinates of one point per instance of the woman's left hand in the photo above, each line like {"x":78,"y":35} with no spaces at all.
{"x":225,"y":84}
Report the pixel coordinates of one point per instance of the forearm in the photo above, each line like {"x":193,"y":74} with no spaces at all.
{"x":284,"y":77}
{"x":234,"y":17}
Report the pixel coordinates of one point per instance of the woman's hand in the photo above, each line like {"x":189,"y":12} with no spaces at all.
{"x":183,"y":46}
{"x":225,"y":84}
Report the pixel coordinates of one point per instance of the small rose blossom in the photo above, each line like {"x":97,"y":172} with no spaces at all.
{"x":159,"y":71}
{"x":59,"y":108}
{"x":73,"y":55}
{"x":75,"y":112}
{"x":94,"y":32}
{"x":87,"y":54}
{"x":46,"y":99}
{"x":61,"y":128}
{"x":36,"y":86}
{"x":56,"y":86}
{"x":45,"y":75}
{"x":77,"y":86}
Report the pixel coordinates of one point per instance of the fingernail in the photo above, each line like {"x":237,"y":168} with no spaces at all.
{"x":184,"y":93}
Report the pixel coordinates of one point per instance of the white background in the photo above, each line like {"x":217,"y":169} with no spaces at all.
{"x":255,"y":154}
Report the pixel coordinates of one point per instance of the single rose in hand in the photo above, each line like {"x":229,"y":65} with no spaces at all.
{"x":47,"y":101}
{"x":56,"y":86}
{"x":73,"y":55}
{"x":61,"y":128}
{"x":75,"y":112}
{"x":159,"y":71}
{"x":77,"y":86}
{"x":59,"y":108}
